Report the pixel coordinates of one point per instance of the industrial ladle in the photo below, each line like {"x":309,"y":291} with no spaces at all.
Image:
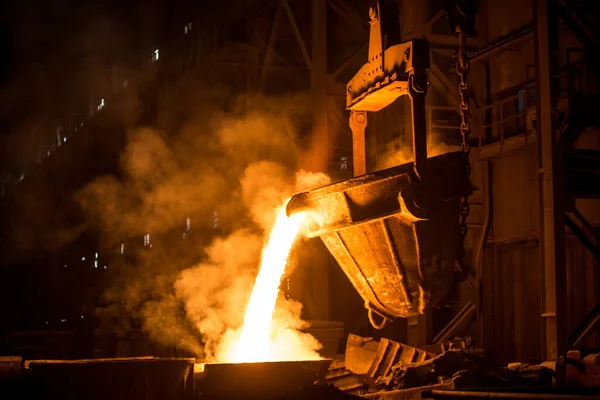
{"x":393,"y":232}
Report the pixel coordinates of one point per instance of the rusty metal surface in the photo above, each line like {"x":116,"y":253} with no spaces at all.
{"x":266,"y":380}
{"x":10,"y":368}
{"x":112,"y":379}
{"x":360,"y":353}
{"x":10,"y":376}
{"x":358,"y":124}
{"x":407,"y":394}
{"x":393,"y":234}
{"x":557,"y":393}
{"x":345,"y":380}
{"x":385,"y":77}
{"x":365,"y":356}
{"x":460,"y":319}
{"x":391,"y":353}
{"x":582,"y":369}
{"x":366,"y":360}
{"x":393,"y":69}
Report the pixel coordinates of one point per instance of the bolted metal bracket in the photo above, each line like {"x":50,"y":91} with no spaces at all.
{"x":358,"y":124}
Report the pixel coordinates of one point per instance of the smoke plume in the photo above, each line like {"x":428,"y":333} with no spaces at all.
{"x":399,"y":151}
{"x":228,"y":175}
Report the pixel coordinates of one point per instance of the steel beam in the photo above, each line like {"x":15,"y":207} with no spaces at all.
{"x":414,"y":25}
{"x":464,"y":315}
{"x":318,"y":76}
{"x":586,"y":237}
{"x":578,"y":26}
{"x":345,"y":11}
{"x":320,"y":128}
{"x":520,"y":34}
{"x":585,"y":327}
{"x":352,"y":58}
{"x":582,"y":174}
{"x":297,"y":33}
{"x":553,"y":214}
{"x":270,"y":45}
{"x":443,"y":85}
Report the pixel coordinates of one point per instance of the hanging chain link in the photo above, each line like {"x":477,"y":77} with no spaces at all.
{"x":462,"y":69}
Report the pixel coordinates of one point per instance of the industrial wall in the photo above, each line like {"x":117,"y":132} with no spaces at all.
{"x":315,"y":47}
{"x":508,"y":170}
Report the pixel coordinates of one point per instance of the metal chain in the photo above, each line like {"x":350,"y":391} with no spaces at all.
{"x":462,"y":69}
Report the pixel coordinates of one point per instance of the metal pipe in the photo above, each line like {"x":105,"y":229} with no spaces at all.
{"x":487,"y":197}
{"x":531,"y":237}
{"x":552,"y":189}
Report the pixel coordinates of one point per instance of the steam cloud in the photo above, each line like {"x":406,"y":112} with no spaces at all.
{"x":242,"y":165}
{"x":399,"y":151}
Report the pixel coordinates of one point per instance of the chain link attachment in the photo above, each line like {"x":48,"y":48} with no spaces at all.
{"x":462,"y":69}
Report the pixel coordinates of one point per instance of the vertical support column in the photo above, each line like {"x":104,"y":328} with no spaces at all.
{"x":358,"y":124}
{"x":553,"y":214}
{"x":320,"y":139}
{"x":416,"y":93}
{"x":318,"y":78}
{"x":418,"y":332}
{"x":414,"y":20}
{"x":418,"y":328}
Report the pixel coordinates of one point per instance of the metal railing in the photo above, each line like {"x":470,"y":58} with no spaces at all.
{"x":513,"y":115}
{"x":506,"y":118}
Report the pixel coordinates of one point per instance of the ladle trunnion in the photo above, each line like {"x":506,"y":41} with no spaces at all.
{"x":394,"y":235}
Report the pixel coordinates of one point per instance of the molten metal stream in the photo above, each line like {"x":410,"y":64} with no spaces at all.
{"x":255,"y":343}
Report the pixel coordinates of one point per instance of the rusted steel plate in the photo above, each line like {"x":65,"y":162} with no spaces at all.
{"x":394,"y":234}
{"x":265,"y":380}
{"x":407,"y":394}
{"x":112,"y":379}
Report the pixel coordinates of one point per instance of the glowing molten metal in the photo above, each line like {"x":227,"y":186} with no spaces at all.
{"x":255,"y":343}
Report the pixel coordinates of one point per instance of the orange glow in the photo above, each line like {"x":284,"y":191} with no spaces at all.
{"x":261,"y":339}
